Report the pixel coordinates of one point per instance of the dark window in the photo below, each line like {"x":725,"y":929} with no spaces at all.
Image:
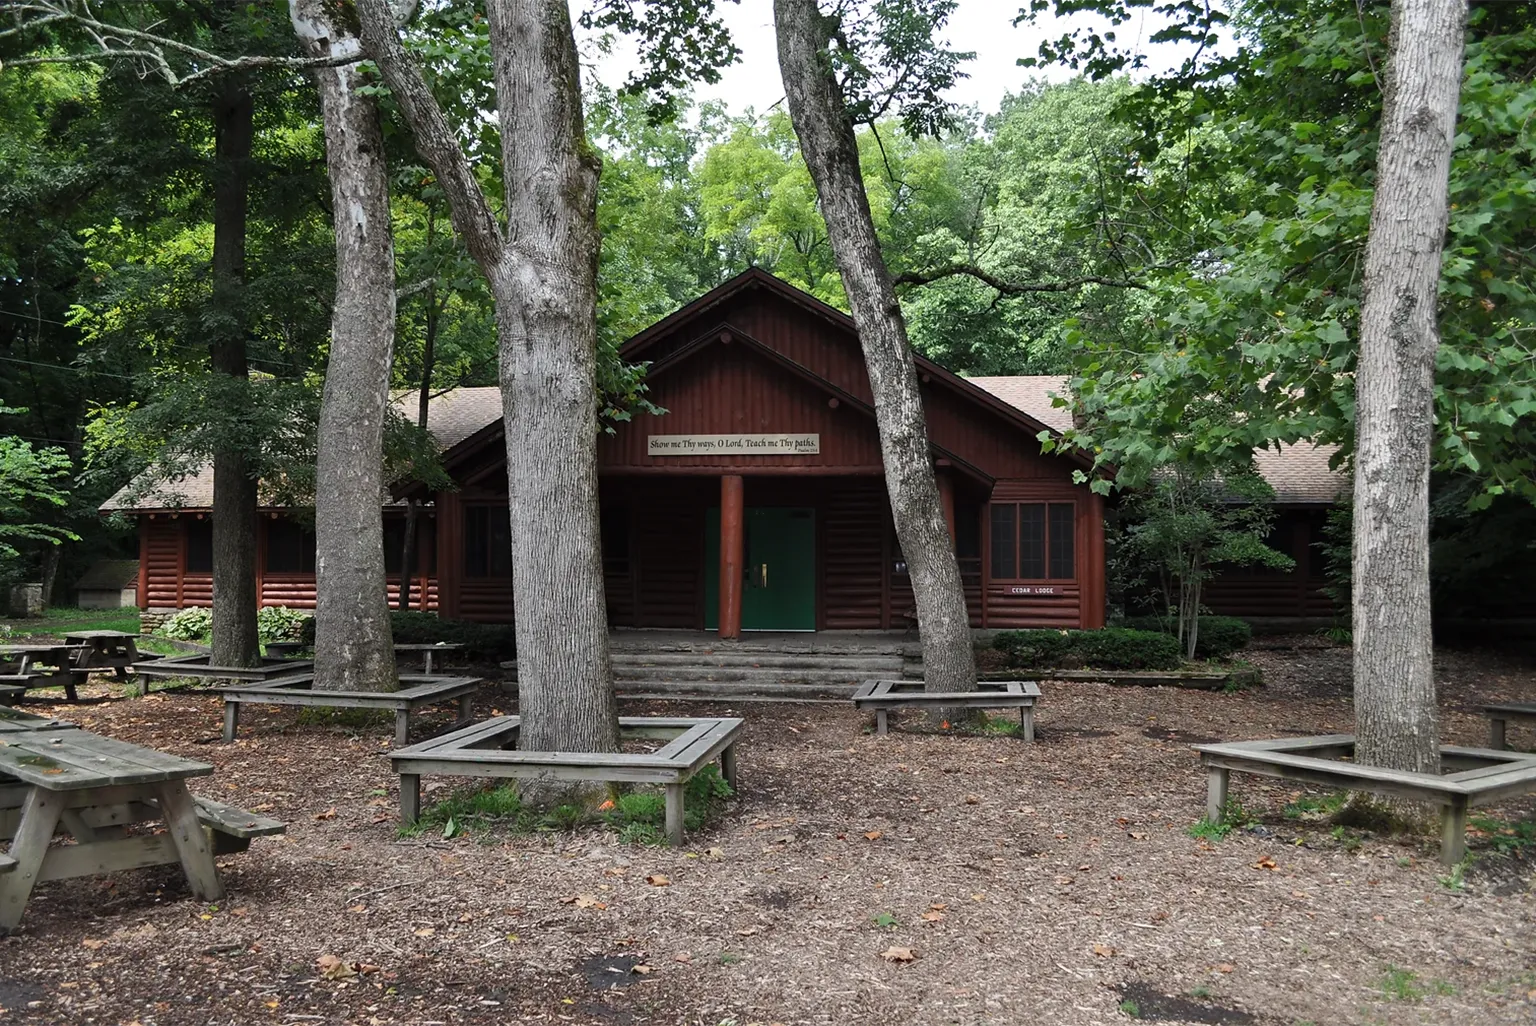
{"x":968,"y":532}
{"x":290,"y":548}
{"x":423,"y":555}
{"x":200,"y":546}
{"x":487,"y":542}
{"x":1005,"y":538}
{"x":1033,"y":541}
{"x":1063,"y":525}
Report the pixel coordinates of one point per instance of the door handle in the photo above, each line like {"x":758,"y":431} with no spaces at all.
{"x":765,"y":575}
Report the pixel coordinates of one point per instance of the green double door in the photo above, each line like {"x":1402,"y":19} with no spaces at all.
{"x":778,"y":590}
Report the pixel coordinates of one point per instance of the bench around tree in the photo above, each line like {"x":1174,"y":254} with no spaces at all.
{"x":1476,"y":776}
{"x":200,"y":665}
{"x":416,"y":691}
{"x":885,"y":695}
{"x":1501,"y":714}
{"x":488,"y":749}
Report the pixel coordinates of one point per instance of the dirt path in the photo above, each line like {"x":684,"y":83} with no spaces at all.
{"x":1051,"y":884}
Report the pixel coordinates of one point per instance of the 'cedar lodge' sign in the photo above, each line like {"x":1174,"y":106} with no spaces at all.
{"x":733,"y":445}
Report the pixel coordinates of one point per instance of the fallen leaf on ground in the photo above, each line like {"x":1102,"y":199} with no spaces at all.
{"x":715,"y":853}
{"x":93,"y":945}
{"x":938,"y":906}
{"x":1225,"y":967}
{"x":327,"y":814}
{"x":588,"y":901}
{"x":640,"y":970}
{"x":358,"y":908}
{"x":425,"y":931}
{"x":333,"y":968}
{"x":682,"y":956}
{"x":1103,"y":950}
{"x":659,"y":880}
{"x":873,"y":835}
{"x":932,"y":917}
{"x":1266,"y":863}
{"x":895,"y":954}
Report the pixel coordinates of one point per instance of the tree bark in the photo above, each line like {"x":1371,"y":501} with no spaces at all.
{"x":543,"y":277}
{"x":235,"y":642}
{"x":1395,"y":709}
{"x":353,"y":647}
{"x":827,"y":140}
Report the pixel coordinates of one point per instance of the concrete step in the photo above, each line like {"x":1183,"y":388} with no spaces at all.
{"x":795,"y":661}
{"x":763,"y":674}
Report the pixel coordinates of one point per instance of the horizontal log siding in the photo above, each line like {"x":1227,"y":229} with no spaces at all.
{"x":160,"y":540}
{"x":852,"y":522}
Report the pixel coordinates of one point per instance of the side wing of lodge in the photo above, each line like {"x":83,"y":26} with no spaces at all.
{"x":768,"y":448}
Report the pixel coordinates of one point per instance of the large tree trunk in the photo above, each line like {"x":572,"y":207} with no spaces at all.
{"x":1395,"y":712}
{"x":543,"y":276}
{"x":235,"y":642}
{"x":353,"y":648}
{"x":827,"y":140}
{"x":546,"y":316}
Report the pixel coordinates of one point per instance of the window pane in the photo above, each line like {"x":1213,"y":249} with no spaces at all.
{"x":1063,"y":525}
{"x":1003,"y":540}
{"x":475,"y":521}
{"x":200,"y":546}
{"x":1032,"y":540}
{"x":290,"y":548}
{"x":394,"y":542}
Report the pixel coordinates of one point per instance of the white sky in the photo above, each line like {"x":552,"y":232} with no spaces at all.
{"x":983,"y":26}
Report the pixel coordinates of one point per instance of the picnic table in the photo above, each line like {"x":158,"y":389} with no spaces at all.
{"x":427,"y":650}
{"x":117,"y":650}
{"x":42,"y":666}
{"x":57,"y":778}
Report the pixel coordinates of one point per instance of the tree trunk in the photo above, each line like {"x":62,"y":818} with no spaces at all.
{"x":1395,"y":710}
{"x":423,"y":409}
{"x":546,"y":315}
{"x":235,"y":642}
{"x":353,"y":648}
{"x":543,"y":276}
{"x":827,"y":140}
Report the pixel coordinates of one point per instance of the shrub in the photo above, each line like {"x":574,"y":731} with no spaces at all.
{"x":482,"y":641}
{"x":279,"y":623}
{"x":1219,"y":636}
{"x":188,"y":624}
{"x":1113,"y":648}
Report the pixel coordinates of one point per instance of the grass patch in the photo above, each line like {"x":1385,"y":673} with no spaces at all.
{"x":1308,"y":807}
{"x":639,"y":816}
{"x":1233,"y":817}
{"x":1404,"y":985}
{"x":1131,"y":1008}
{"x":67,"y":618}
{"x":1507,"y":838}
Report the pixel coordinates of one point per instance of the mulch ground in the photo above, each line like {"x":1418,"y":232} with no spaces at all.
{"x":1051,"y":883}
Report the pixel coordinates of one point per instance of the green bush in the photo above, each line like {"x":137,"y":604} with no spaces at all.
{"x":1113,"y":648}
{"x":1219,"y":636}
{"x":189,"y":624}
{"x":489,"y":642}
{"x":279,"y":623}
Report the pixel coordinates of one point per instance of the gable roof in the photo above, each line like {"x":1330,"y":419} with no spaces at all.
{"x":452,"y":416}
{"x":1300,"y":473}
{"x":110,"y":575}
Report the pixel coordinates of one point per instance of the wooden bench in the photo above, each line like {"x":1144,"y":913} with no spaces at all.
{"x":417,"y":690}
{"x":232,"y":828}
{"x":201,"y":666}
{"x":1501,"y":714}
{"x":487,"y":749}
{"x":885,"y":695}
{"x":7,"y":863}
{"x":1476,"y":776}
{"x":9,"y":693}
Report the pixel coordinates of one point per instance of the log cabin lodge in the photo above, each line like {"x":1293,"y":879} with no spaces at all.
{"x":768,"y":448}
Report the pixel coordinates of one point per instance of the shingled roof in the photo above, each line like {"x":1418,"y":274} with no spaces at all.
{"x":452,"y":417}
{"x":1299,"y":474}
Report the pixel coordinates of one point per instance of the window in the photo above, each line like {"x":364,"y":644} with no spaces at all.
{"x":199,"y":546}
{"x":1033,"y":541}
{"x":290,"y":548}
{"x":487,"y":542}
{"x":423,"y":556}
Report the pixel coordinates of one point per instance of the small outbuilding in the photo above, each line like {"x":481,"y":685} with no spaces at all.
{"x":109,"y":584}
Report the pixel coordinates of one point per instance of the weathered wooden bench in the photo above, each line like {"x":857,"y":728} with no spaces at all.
{"x":1501,"y":714}
{"x":201,"y":666}
{"x":7,"y":863}
{"x":487,"y":749}
{"x":885,"y":695}
{"x":232,"y":828}
{"x":1476,"y":776}
{"x":417,"y":690}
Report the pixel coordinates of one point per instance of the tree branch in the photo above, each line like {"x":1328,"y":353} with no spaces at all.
{"x":435,"y":139}
{"x":113,"y":42}
{"x":1013,"y":288}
